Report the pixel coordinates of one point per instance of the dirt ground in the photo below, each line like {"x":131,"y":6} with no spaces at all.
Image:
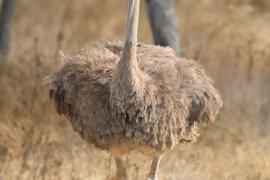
{"x":230,"y":38}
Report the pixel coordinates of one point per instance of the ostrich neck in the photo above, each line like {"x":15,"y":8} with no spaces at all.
{"x":128,"y":73}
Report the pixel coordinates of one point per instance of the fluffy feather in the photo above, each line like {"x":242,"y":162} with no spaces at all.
{"x":176,"y":96}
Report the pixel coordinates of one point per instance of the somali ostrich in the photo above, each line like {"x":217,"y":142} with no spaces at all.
{"x":6,"y":18}
{"x":126,"y":96}
{"x":163,"y":21}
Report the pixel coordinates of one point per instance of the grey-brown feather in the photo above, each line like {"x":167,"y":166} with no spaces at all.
{"x":177,"y":94}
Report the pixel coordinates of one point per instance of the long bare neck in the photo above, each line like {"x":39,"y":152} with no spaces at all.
{"x":128,"y":73}
{"x":132,"y":22}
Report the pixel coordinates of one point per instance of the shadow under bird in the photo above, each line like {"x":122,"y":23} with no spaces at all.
{"x":130,"y":96}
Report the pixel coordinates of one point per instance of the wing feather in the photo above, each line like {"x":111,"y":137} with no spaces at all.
{"x":80,"y":90}
{"x":205,"y":101}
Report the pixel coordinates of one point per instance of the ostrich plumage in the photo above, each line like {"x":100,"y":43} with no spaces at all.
{"x":125,"y":96}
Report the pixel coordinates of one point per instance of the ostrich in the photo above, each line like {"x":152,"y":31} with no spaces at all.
{"x":163,"y":21}
{"x":6,"y":18}
{"x":132,"y":96}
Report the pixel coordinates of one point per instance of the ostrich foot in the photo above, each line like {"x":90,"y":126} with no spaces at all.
{"x":154,"y":168}
{"x":152,"y":178}
{"x":121,"y":171}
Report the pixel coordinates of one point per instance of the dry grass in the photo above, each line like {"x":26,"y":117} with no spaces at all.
{"x":231,"y":38}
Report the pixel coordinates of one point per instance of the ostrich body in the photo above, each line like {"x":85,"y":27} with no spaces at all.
{"x":126,"y":96}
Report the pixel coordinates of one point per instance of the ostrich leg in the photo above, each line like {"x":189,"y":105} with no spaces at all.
{"x":121,"y":170}
{"x":153,"y":174}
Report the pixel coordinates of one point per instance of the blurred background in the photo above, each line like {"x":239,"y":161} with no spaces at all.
{"x":230,"y":38}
